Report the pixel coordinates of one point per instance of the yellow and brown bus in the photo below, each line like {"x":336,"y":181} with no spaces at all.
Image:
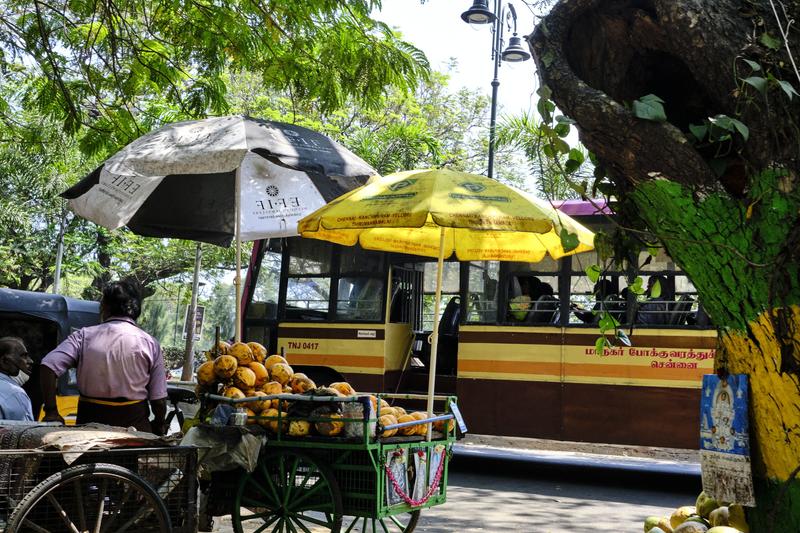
{"x":522,"y":363}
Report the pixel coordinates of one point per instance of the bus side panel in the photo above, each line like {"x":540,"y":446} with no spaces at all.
{"x":355,"y":350}
{"x":509,"y":380}
{"x":511,"y":407}
{"x":632,"y":394}
{"x":645,"y":416}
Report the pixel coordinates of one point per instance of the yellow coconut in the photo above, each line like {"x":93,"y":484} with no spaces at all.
{"x":242,"y":353}
{"x":223,"y":347}
{"x":343,"y":387}
{"x":384,"y":404}
{"x":422,"y":429}
{"x":301,"y":385}
{"x":439,"y":425}
{"x":262,"y":376}
{"x":233,"y":392}
{"x":244,"y":378}
{"x":225,"y":366}
{"x":408,"y":430}
{"x":281,"y":372}
{"x":274,"y":359}
{"x":205,"y":374}
{"x":258,"y":351}
{"x":387,"y":420}
{"x":251,"y":416}
{"x":332,"y":428}
{"x":272,"y":387}
{"x":299,"y":428}
{"x":258,"y":405}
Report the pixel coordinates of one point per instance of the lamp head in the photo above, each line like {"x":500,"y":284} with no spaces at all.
{"x":514,"y":52}
{"x":479,"y":13}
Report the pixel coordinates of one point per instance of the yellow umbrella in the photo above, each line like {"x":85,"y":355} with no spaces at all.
{"x":439,"y":212}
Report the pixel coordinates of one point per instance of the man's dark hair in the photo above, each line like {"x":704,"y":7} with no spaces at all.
{"x":7,"y":345}
{"x":122,"y":298}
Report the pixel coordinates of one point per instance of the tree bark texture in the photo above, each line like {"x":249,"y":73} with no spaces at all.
{"x":732,"y":227}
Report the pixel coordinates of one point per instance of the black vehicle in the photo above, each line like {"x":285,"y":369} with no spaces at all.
{"x":42,"y":321}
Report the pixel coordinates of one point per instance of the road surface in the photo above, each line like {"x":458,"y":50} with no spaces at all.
{"x":494,"y":495}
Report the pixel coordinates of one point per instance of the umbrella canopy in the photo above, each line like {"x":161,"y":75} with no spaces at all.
{"x":480,"y":218}
{"x":439,"y":212}
{"x":180,"y":181}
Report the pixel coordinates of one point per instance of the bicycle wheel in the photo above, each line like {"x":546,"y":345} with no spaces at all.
{"x":99,"y":497}
{"x":288,"y":492}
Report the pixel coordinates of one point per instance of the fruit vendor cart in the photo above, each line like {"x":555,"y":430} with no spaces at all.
{"x":366,"y":478}
{"x":133,"y":486}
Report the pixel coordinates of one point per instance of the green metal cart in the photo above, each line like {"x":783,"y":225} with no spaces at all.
{"x":354,"y":483}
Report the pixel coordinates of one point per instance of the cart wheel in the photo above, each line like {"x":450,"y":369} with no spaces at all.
{"x":402,"y":523}
{"x":288,"y":492}
{"x":95,"y":497}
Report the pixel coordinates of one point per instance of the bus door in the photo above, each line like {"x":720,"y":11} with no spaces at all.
{"x":261,"y":294}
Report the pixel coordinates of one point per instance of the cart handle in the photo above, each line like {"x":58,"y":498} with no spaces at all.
{"x":447,"y":416}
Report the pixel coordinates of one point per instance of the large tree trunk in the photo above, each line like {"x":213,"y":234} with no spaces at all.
{"x":727,"y":213}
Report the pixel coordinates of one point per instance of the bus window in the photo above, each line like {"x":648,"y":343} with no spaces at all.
{"x":450,"y":290}
{"x":265,"y":294}
{"x":307,"y":298}
{"x":482,"y":295}
{"x":360,"y":298}
{"x":532,"y":293}
{"x":309,"y":285}
{"x":309,"y":256}
{"x":590,"y":300}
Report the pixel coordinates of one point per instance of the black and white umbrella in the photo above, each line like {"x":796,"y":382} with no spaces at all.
{"x":180,"y":181}
{"x":190,"y":180}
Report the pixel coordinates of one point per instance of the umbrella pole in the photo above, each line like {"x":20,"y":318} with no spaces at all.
{"x":238,"y":279}
{"x":435,"y":334}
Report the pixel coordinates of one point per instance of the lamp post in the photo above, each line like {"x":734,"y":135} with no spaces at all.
{"x":480,"y":13}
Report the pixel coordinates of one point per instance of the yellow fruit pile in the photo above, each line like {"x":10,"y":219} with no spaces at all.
{"x":705,"y":516}
{"x":243,"y":370}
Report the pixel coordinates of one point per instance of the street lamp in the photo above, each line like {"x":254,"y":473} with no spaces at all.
{"x":480,"y":13}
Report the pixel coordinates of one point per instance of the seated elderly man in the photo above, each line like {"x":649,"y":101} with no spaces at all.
{"x":14,"y":402}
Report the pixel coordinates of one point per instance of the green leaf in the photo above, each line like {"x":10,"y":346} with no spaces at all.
{"x":649,"y":107}
{"x":593,"y":273}
{"x":771,"y":42}
{"x":577,"y":155}
{"x":545,"y":92}
{"x":653,"y":251}
{"x":561,"y":119}
{"x":561,"y":146}
{"x":562,"y":130}
{"x":655,"y":289}
{"x":569,"y":241}
{"x":759,"y":83}
{"x":743,"y":130}
{"x":571,"y":166}
{"x":788,"y":88}
{"x":599,"y":344}
{"x":753,"y":65}
{"x":636,"y":287}
{"x":607,"y":322}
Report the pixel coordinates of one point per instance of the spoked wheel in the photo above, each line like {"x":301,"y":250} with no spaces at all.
{"x":288,"y":492}
{"x":101,"y":498}
{"x":402,"y":523}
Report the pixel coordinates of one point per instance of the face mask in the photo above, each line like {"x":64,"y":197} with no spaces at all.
{"x":21,"y":378}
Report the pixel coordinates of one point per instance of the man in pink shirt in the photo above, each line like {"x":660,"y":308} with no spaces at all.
{"x":120,"y":367}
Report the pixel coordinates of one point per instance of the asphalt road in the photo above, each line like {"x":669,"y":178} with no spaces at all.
{"x":498,"y":495}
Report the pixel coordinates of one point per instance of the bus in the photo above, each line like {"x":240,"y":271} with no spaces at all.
{"x":517,"y":340}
